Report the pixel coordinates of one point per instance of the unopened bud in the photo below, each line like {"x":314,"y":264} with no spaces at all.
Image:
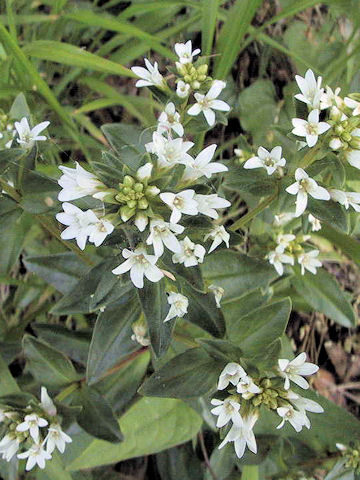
{"x":126,"y":213}
{"x":355,"y":143}
{"x":131,"y":203}
{"x":346,"y":137}
{"x":143,"y":204}
{"x":335,"y":144}
{"x":195,"y":85}
{"x":138,"y":187}
{"x":187,"y":78}
{"x":128,"y":181}
{"x":152,"y":191}
{"x":203,"y":69}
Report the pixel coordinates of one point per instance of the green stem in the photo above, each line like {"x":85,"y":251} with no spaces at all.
{"x":253,"y":213}
{"x":310,"y":157}
{"x":10,"y":190}
{"x":67,"y":391}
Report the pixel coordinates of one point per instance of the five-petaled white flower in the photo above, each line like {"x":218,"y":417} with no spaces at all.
{"x":310,"y":128}
{"x":77,"y":183}
{"x":271,"y":161}
{"x":297,"y":419}
{"x":178,"y":305}
{"x":218,"y":293}
{"x":191,"y":254}
{"x":36,"y":455}
{"x":331,"y":98}
{"x":226,"y":410}
{"x":353,"y":157}
{"x":170,"y":152}
{"x":309,"y":261}
{"x":348,"y":199}
{"x":149,"y":75}
{"x":99,"y":231}
{"x":218,"y":234}
{"x":295,"y":369}
{"x":246,"y":387}
{"x":207,"y":204}
{"x":163,"y":233}
{"x":242,"y":435}
{"x":140,"y":264}
{"x":202,"y":165}
{"x":27,"y":136}
{"x":303,"y":187}
{"x":283,"y":240}
{"x":311,"y":91}
{"x":32,"y":422}
{"x":56,"y":438}
{"x":304,"y":404}
{"x":353,"y":105}
{"x":277,"y":258}
{"x":185,"y":52}
{"x":231,"y":373}
{"x":170,"y":120}
{"x":182,"y":89}
{"x":207,"y":103}
{"x":9,"y":445}
{"x":315,"y":222}
{"x":46,"y":403}
{"x":182,"y":202}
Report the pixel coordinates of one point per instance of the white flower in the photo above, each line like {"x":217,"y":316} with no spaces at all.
{"x":46,"y":403}
{"x":77,"y":183}
{"x":144,"y":172}
{"x":308,"y":261}
{"x":242,"y":436}
{"x":202,"y":165}
{"x":283,"y":240}
{"x":294,"y":370}
{"x":218,"y":293}
{"x":353,"y":157}
{"x":32,"y":422}
{"x":330,"y":98}
{"x":191,"y":254}
{"x":218,"y":234}
{"x":139,"y":263}
{"x":311,"y":90}
{"x":141,"y":220}
{"x":315,"y":222}
{"x":163,"y":233}
{"x":182,"y":89}
{"x":348,"y":199}
{"x":303,"y":187}
{"x":178,"y":306}
{"x":182,"y":202}
{"x":79,"y":224}
{"x":295,"y":418}
{"x":185,"y":52}
{"x":246,"y":387}
{"x":170,"y":152}
{"x":36,"y":455}
{"x":149,"y":75}
{"x":206,"y":204}
{"x":310,"y":129}
{"x":9,"y":445}
{"x":170,"y":120}
{"x":226,"y":410}
{"x":353,"y":104}
{"x":99,"y":231}
{"x":27,"y":136}
{"x":56,"y":438}
{"x":207,"y":103}
{"x":230,"y":374}
{"x":271,"y":161}
{"x":283,"y":218}
{"x":304,"y":404}
{"x":278,"y":258}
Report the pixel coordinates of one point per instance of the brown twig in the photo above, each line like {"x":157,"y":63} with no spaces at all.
{"x":205,"y":454}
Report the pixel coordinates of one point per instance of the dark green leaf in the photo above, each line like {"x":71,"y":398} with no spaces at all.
{"x":256,"y":182}
{"x":329,"y":212}
{"x":349,"y":246}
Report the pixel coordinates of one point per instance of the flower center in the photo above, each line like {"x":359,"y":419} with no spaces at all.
{"x":178,"y":202}
{"x":141,"y":259}
{"x":312,"y":128}
{"x":269,"y":162}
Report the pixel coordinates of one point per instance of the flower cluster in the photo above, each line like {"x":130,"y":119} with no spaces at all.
{"x":35,"y":431}
{"x":239,"y":411}
{"x":146,"y":198}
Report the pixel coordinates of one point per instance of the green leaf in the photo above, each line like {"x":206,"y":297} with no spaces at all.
{"x":190,"y":374}
{"x":232,"y":33}
{"x":149,"y":426}
{"x":73,"y":343}
{"x":112,"y":336}
{"x":155,"y":307}
{"x":55,"y":470}
{"x":348,"y":245}
{"x":61,"y":270}
{"x":323,"y":293}
{"x":256,"y":182}
{"x":67,"y":54}
{"x":236,"y":273}
{"x":202,"y":311}
{"x":329,"y":212}
{"x":250,"y":472}
{"x":97,"y":417}
{"x":48,"y":366}
{"x":39,"y":193}
{"x":19,"y":108}
{"x":8,"y":384}
{"x":209,"y":14}
{"x":10,"y":156}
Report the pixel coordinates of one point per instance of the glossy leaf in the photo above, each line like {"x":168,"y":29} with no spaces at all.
{"x":329,"y":212}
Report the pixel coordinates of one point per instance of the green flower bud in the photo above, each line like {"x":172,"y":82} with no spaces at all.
{"x":126,"y":213}
{"x":131,"y":203}
{"x":256,"y":401}
{"x":266,"y":383}
{"x":126,"y":190}
{"x":152,"y":191}
{"x":203,"y":69}
{"x":346,"y":137}
{"x":138,"y":187}
{"x":128,"y":181}
{"x":187,"y":79}
{"x":196,"y":85}
{"x":355,"y":143}
{"x":120,"y":197}
{"x":143,"y":204}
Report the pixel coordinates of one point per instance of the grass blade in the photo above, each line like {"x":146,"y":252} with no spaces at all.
{"x":209,"y":14}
